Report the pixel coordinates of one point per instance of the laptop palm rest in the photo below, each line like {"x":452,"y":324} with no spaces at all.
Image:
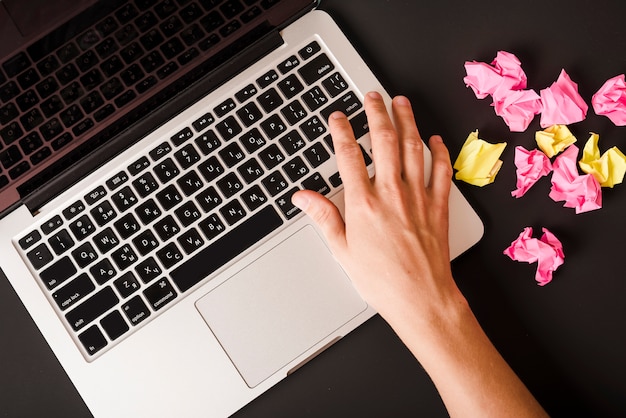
{"x":280,"y":306}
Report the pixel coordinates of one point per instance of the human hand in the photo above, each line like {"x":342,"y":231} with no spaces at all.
{"x":393,"y":242}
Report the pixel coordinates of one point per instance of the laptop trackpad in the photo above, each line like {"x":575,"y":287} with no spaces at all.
{"x":280,"y":306}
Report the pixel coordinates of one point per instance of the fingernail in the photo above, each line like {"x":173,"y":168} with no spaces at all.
{"x":374,"y":95}
{"x":300,"y":201}
{"x":337,"y":115}
{"x":402,"y":101}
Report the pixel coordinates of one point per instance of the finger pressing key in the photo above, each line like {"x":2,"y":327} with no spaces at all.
{"x":385,"y":147}
{"x":349,"y":157}
{"x":411,"y":145}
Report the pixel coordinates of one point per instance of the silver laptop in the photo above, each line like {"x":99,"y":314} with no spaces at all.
{"x":149,"y":151}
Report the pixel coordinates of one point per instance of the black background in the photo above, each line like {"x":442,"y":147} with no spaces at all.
{"x":566,"y":340}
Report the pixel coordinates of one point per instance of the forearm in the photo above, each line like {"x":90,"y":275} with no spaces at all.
{"x":471,"y":376}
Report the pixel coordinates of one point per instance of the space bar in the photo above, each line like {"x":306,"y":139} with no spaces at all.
{"x":226,"y":248}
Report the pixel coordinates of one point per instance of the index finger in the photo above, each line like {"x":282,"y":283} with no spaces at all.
{"x":348,"y":154}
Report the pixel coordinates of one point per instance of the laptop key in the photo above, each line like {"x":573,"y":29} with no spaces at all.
{"x":335,"y":84}
{"x":166,"y":228}
{"x":145,"y":184}
{"x":309,"y":50}
{"x":58,"y":272}
{"x":316,"y":155}
{"x":39,"y":256}
{"x":160,"y":294}
{"x":317,"y":184}
{"x":190,"y":241}
{"x":229,"y":246}
{"x":169,"y":255}
{"x":10,"y":156}
{"x":16,"y":64}
{"x":103,"y":213}
{"x":348,"y":104}
{"x":202,"y":122}
{"x":124,"y":257}
{"x":82,"y":227}
{"x":73,"y":292}
{"x":290,"y":86}
{"x":148,"y":270}
{"x":92,"y":308}
{"x":312,"y":128}
{"x":95,"y":195}
{"x":19,"y":169}
{"x":319,"y":67}
{"x":145,"y":242}
{"x":114,"y":325}
{"x":138,"y":166}
{"x":148,"y":211}
{"x":166,"y":170}
{"x":284,"y":203}
{"x":106,"y":240}
{"x":127,"y":225}
{"x":8,"y":112}
{"x":124,"y":198}
{"x":84,"y":255}
{"x":209,"y":199}
{"x":102,"y":271}
{"x":73,"y":210}
{"x":29,"y":240}
{"x":93,"y":340}
{"x":117,"y":180}
{"x":61,"y":242}
{"x":136,"y":310}
{"x":254,"y":198}
{"x":188,"y":213}
{"x":212,"y":226}
{"x":126,"y":284}
{"x":11,"y":133}
{"x":160,"y":151}
{"x":190,"y":183}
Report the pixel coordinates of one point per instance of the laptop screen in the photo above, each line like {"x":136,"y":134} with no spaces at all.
{"x":108,"y":72}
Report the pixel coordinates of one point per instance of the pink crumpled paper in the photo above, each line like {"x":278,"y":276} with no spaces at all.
{"x":581,"y":192}
{"x":518,"y":108}
{"x":504,"y":73}
{"x":547,"y":251}
{"x":531,"y":166}
{"x":610,"y":100}
{"x":562,"y":105}
{"x":505,"y":81}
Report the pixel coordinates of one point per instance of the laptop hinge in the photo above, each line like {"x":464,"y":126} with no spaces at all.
{"x":208,"y":76}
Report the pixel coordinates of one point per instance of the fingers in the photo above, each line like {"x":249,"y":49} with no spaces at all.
{"x":348,"y":154}
{"x":411,"y":145}
{"x":441,"y":177}
{"x":325,"y":215}
{"x":385,"y":147}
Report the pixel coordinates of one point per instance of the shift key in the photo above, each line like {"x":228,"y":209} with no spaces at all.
{"x":92,"y":308}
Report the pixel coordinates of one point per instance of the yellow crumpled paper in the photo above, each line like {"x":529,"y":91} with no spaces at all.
{"x":608,"y":168}
{"x":554,"y":139}
{"x":479,"y":161}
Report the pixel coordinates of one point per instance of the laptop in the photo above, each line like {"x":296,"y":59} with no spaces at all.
{"x":148,"y":153}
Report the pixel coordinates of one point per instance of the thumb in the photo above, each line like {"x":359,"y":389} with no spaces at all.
{"x":324,"y":213}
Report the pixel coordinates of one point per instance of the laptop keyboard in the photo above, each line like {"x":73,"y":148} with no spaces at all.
{"x":51,"y":95}
{"x":126,"y":249}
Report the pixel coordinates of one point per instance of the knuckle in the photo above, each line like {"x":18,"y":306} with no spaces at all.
{"x":414,"y":143}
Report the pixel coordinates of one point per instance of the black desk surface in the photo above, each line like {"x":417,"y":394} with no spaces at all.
{"x":567,"y":340}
